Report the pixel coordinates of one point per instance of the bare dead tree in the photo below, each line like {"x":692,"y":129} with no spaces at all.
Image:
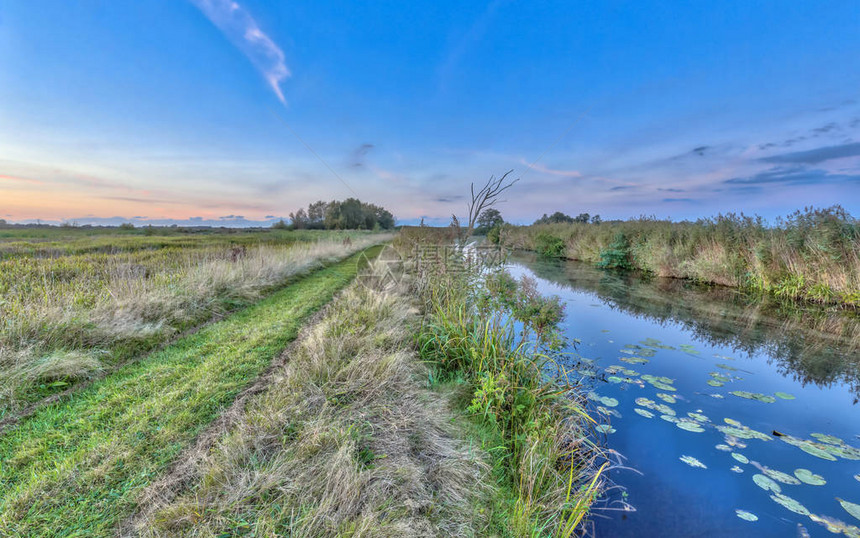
{"x":487,"y":197}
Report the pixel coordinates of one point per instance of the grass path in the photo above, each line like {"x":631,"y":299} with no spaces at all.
{"x":74,"y":469}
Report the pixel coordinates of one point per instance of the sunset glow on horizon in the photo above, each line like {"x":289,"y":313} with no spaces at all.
{"x":241,"y":112}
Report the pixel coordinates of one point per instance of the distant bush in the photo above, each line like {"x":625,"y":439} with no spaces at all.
{"x":555,"y":218}
{"x":350,"y":214}
{"x":616,"y":255}
{"x":126,"y":226}
{"x":549,"y":245}
{"x":488,"y":220}
{"x":493,"y":236}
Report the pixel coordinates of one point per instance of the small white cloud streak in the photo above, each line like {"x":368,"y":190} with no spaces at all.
{"x":244,"y":32}
{"x":550,"y":171}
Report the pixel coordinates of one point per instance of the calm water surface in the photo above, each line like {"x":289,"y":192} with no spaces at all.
{"x":692,"y":335}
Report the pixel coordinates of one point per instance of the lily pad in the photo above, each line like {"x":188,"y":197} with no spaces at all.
{"x":724,"y":448}
{"x":687,"y":348}
{"x":604,"y":428}
{"x":614,"y":379}
{"x":851,"y":508}
{"x":643,"y":412}
{"x":733,"y":441}
{"x":633,"y":349}
{"x":634,"y":360}
{"x":843,"y":451}
{"x":715,"y":383}
{"x":857,"y":477}
{"x":664,"y":409}
{"x":717,"y":377}
{"x":808,"y":477}
{"x":726,"y":366}
{"x":689,"y":425}
{"x":693,"y":462}
{"x":836,"y":526}
{"x":743,"y":432}
{"x":607,"y":411}
{"x":815,"y":449}
{"x":651,"y":342}
{"x":645,"y":402}
{"x":668,"y":398}
{"x":732,"y":422}
{"x":780,"y":476}
{"x":784,"y":395}
{"x":657,"y":379}
{"x":829,"y":439}
{"x":766,"y":483}
{"x":753,"y":396}
{"x":669,"y":418}
{"x":746,"y":516}
{"x":740,"y":457}
{"x":715,"y":395}
{"x":664,"y":386}
{"x":608,"y":401}
{"x":736,"y":469}
{"x":791,"y":504}
{"x":698,"y":417}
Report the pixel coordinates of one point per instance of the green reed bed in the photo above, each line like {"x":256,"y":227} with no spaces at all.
{"x":496,"y":336}
{"x":810,"y":255}
{"x":75,"y":468}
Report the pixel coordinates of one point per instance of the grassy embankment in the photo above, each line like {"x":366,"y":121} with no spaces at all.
{"x":488,"y":339}
{"x":360,"y":434}
{"x":812,"y":255}
{"x":75,"y":468}
{"x":76,"y":303}
{"x":346,"y":441}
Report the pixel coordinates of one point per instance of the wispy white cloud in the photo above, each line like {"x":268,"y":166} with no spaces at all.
{"x":550,"y":171}
{"x":244,"y":32}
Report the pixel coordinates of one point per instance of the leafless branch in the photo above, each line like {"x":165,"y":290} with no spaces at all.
{"x":486,"y":197}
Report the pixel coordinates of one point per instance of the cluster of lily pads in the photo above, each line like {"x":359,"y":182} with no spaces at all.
{"x":822,"y":446}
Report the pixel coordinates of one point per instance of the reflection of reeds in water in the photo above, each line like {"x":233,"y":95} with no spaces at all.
{"x":811,"y":344}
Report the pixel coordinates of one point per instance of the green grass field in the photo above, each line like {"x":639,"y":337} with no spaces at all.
{"x":74,"y":468}
{"x":75,"y":303}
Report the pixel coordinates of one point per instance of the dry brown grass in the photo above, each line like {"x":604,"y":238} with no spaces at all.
{"x":346,"y":440}
{"x":76,"y":327}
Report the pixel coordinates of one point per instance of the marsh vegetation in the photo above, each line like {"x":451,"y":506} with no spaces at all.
{"x":76,"y":302}
{"x":809,"y":255}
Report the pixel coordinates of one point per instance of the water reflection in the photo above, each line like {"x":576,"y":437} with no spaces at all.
{"x":810,"y":344}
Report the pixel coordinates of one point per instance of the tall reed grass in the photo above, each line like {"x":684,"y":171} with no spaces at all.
{"x":810,"y":255}
{"x":498,"y":335}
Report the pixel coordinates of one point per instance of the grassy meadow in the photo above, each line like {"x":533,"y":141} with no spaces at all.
{"x":235,"y":383}
{"x":76,"y":302}
{"x":809,"y":255}
{"x":76,"y":467}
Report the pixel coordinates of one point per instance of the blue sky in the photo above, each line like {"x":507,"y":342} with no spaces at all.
{"x":169,"y":110}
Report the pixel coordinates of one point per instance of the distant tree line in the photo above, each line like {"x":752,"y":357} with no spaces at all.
{"x":350,"y":214}
{"x":559,"y":217}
